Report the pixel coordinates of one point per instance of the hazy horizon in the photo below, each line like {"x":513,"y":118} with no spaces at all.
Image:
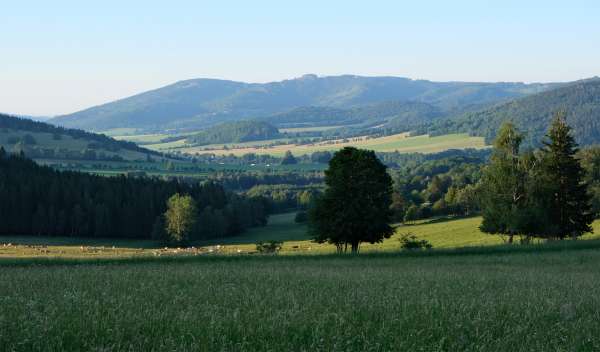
{"x":66,"y":56}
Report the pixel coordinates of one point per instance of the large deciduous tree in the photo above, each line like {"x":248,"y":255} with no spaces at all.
{"x":355,"y":206}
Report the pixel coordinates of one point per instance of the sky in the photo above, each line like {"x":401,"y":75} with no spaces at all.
{"x":59,"y":57}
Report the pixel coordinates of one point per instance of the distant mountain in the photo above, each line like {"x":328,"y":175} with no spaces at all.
{"x":42,"y":140}
{"x":533,"y":114}
{"x":235,"y":132}
{"x":199,"y":103}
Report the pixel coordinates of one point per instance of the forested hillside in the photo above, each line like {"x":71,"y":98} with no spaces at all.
{"x":199,"y":103}
{"x":235,"y":132}
{"x":397,"y":113}
{"x":533,"y":115}
{"x":38,"y":200}
{"x":42,"y":140}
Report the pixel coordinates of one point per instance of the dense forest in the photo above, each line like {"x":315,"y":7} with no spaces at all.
{"x":41,"y":201}
{"x":235,"y":132}
{"x":533,"y":115}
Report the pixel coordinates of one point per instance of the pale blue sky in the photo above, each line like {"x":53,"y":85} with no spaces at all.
{"x":61,"y":56}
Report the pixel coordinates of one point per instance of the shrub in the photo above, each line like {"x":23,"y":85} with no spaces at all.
{"x":411,"y":242}
{"x":269,"y":247}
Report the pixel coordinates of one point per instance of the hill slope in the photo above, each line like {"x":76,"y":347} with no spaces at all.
{"x":533,"y":114}
{"x":235,"y":132}
{"x":407,"y":113}
{"x":42,"y":140}
{"x":199,"y":103}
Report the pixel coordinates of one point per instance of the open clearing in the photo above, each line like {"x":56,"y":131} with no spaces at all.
{"x":541,"y":300}
{"x":441,"y":233}
{"x":402,"y":143}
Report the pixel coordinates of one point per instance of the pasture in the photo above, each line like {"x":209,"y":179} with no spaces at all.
{"x":402,"y":143}
{"x":542,"y":299}
{"x":442,"y":233}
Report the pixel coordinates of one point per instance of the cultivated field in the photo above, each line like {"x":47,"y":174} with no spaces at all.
{"x":400,"y":142}
{"x":541,"y":299}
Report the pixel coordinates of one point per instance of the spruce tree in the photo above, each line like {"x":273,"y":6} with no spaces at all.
{"x":568,"y":206}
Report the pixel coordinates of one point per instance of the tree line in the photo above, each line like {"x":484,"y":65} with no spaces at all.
{"x":38,"y":200}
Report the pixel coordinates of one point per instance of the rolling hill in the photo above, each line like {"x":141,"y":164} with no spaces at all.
{"x":198,"y":103}
{"x":42,"y":140}
{"x":235,"y":132}
{"x":406,"y":113}
{"x":533,"y":115}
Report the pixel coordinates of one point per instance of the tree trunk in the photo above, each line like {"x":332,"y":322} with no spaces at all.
{"x":355,"y":247}
{"x":510,"y":238}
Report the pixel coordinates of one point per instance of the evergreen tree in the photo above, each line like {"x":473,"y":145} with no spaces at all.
{"x":288,"y":159}
{"x":355,"y":206}
{"x":567,"y":206}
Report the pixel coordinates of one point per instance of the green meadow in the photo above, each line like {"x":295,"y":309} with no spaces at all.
{"x":469,"y":293}
{"x":544,"y":298}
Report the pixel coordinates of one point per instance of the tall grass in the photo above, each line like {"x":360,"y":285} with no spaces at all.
{"x":519,"y":298}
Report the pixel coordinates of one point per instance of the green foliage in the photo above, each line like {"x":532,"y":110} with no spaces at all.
{"x":235,"y":132}
{"x":409,"y":241}
{"x":269,"y":247}
{"x":65,"y":203}
{"x":565,"y":197}
{"x":542,"y":194}
{"x":503,"y":198}
{"x":355,"y":205}
{"x":180,"y":218}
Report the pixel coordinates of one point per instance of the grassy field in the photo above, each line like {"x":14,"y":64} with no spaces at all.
{"x":538,"y":300}
{"x":400,"y":142}
{"x":441,"y":233}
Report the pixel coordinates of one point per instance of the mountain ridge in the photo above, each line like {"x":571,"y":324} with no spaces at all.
{"x":198,"y":103}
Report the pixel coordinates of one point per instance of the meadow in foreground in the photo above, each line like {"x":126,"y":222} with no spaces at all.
{"x":537,"y":300}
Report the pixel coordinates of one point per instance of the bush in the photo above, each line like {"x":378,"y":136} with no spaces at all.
{"x":411,"y":242}
{"x":301,"y":217}
{"x":269,"y":247}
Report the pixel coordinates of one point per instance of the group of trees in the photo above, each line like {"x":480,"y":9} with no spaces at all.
{"x":284,"y":197}
{"x":544,"y":193}
{"x":42,"y":201}
{"x":436,"y":187}
{"x":536,"y":194}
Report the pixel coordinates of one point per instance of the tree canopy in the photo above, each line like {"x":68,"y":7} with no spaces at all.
{"x":355,"y":206}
